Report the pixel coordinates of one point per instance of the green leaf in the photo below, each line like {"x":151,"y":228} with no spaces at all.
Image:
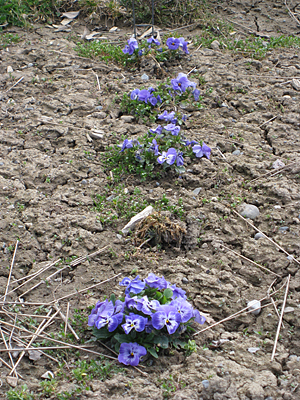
{"x":161,"y":341}
{"x":123,"y":338}
{"x":153,"y":352}
{"x":168,"y":293}
{"x":179,"y":343}
{"x":102,"y":333}
{"x":113,"y":298}
{"x":158,"y":296}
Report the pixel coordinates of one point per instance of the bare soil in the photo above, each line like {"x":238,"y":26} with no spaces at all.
{"x":51,"y":170}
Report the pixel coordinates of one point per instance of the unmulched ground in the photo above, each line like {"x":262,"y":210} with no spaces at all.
{"x":51,"y":170}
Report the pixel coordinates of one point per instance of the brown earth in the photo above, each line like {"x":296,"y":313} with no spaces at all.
{"x":51,"y":170}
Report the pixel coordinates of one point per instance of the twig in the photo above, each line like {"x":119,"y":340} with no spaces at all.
{"x":35,"y":348}
{"x":198,"y":47}
{"x":281,"y":316}
{"x":146,"y":241}
{"x":39,"y":328}
{"x":8,"y":366}
{"x":10,"y":271}
{"x":237,"y":313}
{"x":99,"y":87}
{"x":14,"y":84}
{"x":271,"y":240}
{"x":84,"y":290}
{"x":291,"y":14}
{"x":66,"y":321}
{"x":271,"y":173}
{"x":191,"y":71}
{"x":253,"y":262}
{"x":269,"y":120}
{"x":10,"y":356}
{"x":33,"y":276}
{"x":83,"y":258}
{"x":67,"y":344}
{"x":29,"y":290}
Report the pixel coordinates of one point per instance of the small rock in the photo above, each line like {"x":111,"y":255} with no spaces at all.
{"x":96,"y":135}
{"x":157,"y":183}
{"x":84,"y":181}
{"x":258,"y":236}
{"x":249,"y":211}
{"x":205,"y":384}
{"x":283,"y":229}
{"x":295,"y":84}
{"x":277,"y":207}
{"x":293,"y":357}
{"x":145,"y":77}
{"x":290,"y":258}
{"x":127,"y":118}
{"x":98,"y":108}
{"x":236,"y":152}
{"x":289,"y":310}
{"x":10,"y":69}
{"x":253,"y":350}
{"x":48,"y":375}
{"x":111,"y":197}
{"x":254,"y":306}
{"x":12,"y":381}
{"x":185,"y":280}
{"x":278,"y":164}
{"x":120,"y":237}
{"x":34,"y":355}
{"x":197,"y":191}
{"x":137,"y":218}
{"x":215,"y":45}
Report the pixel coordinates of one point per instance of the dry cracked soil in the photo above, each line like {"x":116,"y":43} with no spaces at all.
{"x":51,"y":172}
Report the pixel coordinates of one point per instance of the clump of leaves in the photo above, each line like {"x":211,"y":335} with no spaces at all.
{"x":159,"y":229}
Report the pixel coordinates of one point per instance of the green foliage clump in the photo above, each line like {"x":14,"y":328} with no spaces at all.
{"x":20,"y":394}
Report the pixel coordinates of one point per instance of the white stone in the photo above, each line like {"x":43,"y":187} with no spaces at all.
{"x":48,"y":375}
{"x":296,"y":84}
{"x":136,"y":219}
{"x":254,"y":306}
{"x":10,"y":69}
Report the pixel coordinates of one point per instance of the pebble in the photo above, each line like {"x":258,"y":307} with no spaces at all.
{"x":48,"y":375}
{"x":253,"y":350}
{"x":197,"y":191}
{"x":254,"y":306}
{"x":145,"y":77}
{"x":290,"y":258}
{"x":185,"y":280}
{"x":236,"y":152}
{"x":283,"y":229}
{"x":205,"y":384}
{"x":277,"y":207}
{"x":292,"y":357}
{"x":269,"y":398}
{"x":84,"y":181}
{"x":127,"y":118}
{"x":10,"y":69}
{"x":137,"y":218}
{"x":278,"y":164}
{"x":98,"y":108}
{"x":258,"y":235}
{"x":289,"y":310}
{"x":249,"y":211}
{"x":110,"y":198}
{"x":157,"y":183}
{"x":215,"y":45}
{"x":119,"y":236}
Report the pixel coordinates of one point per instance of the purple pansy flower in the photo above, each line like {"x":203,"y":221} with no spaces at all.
{"x":168,"y":116}
{"x":147,"y":306}
{"x":130,"y":302}
{"x":130,"y":353}
{"x":169,"y":156}
{"x":166,"y":316}
{"x":140,"y":52}
{"x":131,"y":46}
{"x":190,"y":143}
{"x":174,"y":129}
{"x":151,"y":89}
{"x":184,"y":309}
{"x":201,"y":151}
{"x":198,"y":317}
{"x":153,"y":40}
{"x":127,"y":144}
{"x":153,"y":101}
{"x":158,"y":98}
{"x":106,"y":316}
{"x":154,"y":281}
{"x":134,"y":94}
{"x":179,"y":159}
{"x":177,"y":292}
{"x":156,"y":131}
{"x":144,"y":95}
{"x":183,"y":45}
{"x":196,"y":94}
{"x":154,"y":149}
{"x":206,"y":150}
{"x":93,"y":316}
{"x":135,"y":286}
{"x":173,"y":43}
{"x":134,"y":321}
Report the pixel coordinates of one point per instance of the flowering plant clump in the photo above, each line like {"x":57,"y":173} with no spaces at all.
{"x":173,"y":48}
{"x":164,"y":145}
{"x":152,"y":314}
{"x":146,"y":102}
